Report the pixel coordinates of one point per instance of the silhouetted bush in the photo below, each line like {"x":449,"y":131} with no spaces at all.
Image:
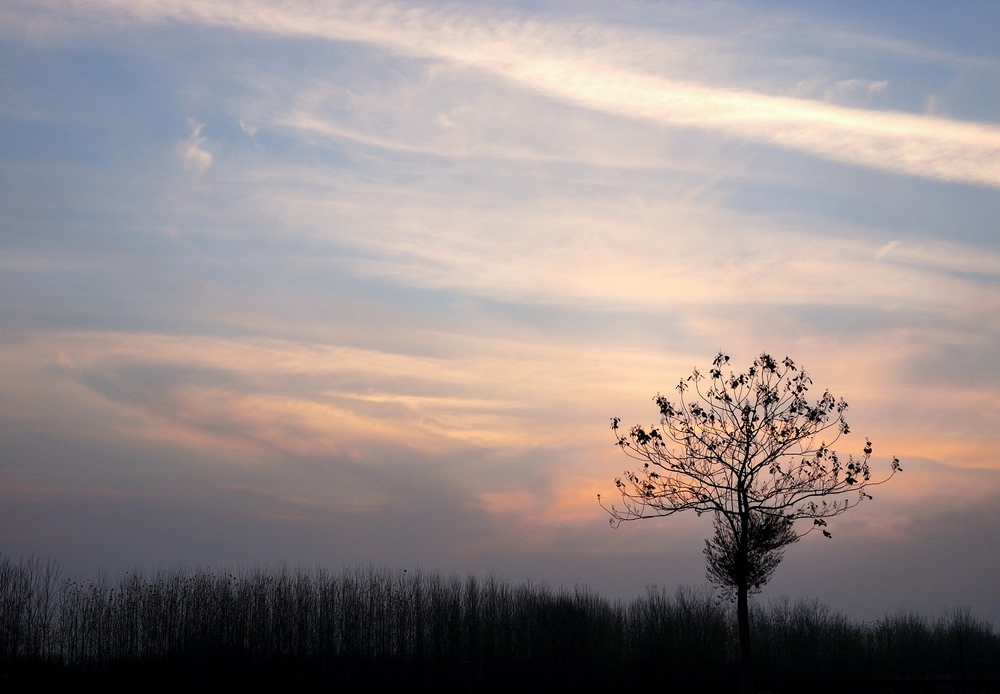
{"x":382,"y":629}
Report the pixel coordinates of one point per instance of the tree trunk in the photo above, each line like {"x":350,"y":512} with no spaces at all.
{"x":743,"y":624}
{"x":743,"y":597}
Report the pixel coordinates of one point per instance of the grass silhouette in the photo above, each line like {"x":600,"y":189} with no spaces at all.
{"x":388,"y":629}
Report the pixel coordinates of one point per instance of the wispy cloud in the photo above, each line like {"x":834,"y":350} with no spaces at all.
{"x":248,"y":128}
{"x":193,"y":151}
{"x":886,"y":250}
{"x":606,"y":70}
{"x":908,"y":50}
{"x":315,"y":397}
{"x":595,"y":253}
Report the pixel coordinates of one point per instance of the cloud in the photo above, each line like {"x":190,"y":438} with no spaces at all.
{"x":664,"y":255}
{"x":608,"y":70}
{"x":248,"y":128}
{"x":846,"y":90}
{"x":195,"y":156}
{"x":263,"y":395}
{"x":907,"y":50}
{"x":886,"y":249}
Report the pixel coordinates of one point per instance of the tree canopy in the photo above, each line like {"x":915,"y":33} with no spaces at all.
{"x":744,"y":443}
{"x":768,"y":536}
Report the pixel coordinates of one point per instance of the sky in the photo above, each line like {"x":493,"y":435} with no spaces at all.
{"x":363,"y":283}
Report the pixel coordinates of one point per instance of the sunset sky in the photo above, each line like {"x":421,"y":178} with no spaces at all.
{"x":349,"y":283}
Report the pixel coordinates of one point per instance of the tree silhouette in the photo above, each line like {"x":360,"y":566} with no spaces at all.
{"x":768,"y":536}
{"x":749,"y":448}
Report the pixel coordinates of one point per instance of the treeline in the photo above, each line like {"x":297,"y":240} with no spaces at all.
{"x":380,"y":630}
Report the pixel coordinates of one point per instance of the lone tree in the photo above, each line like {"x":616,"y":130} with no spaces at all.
{"x":753,"y":450}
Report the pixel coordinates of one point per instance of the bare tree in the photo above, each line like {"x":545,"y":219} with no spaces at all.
{"x":753,"y":450}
